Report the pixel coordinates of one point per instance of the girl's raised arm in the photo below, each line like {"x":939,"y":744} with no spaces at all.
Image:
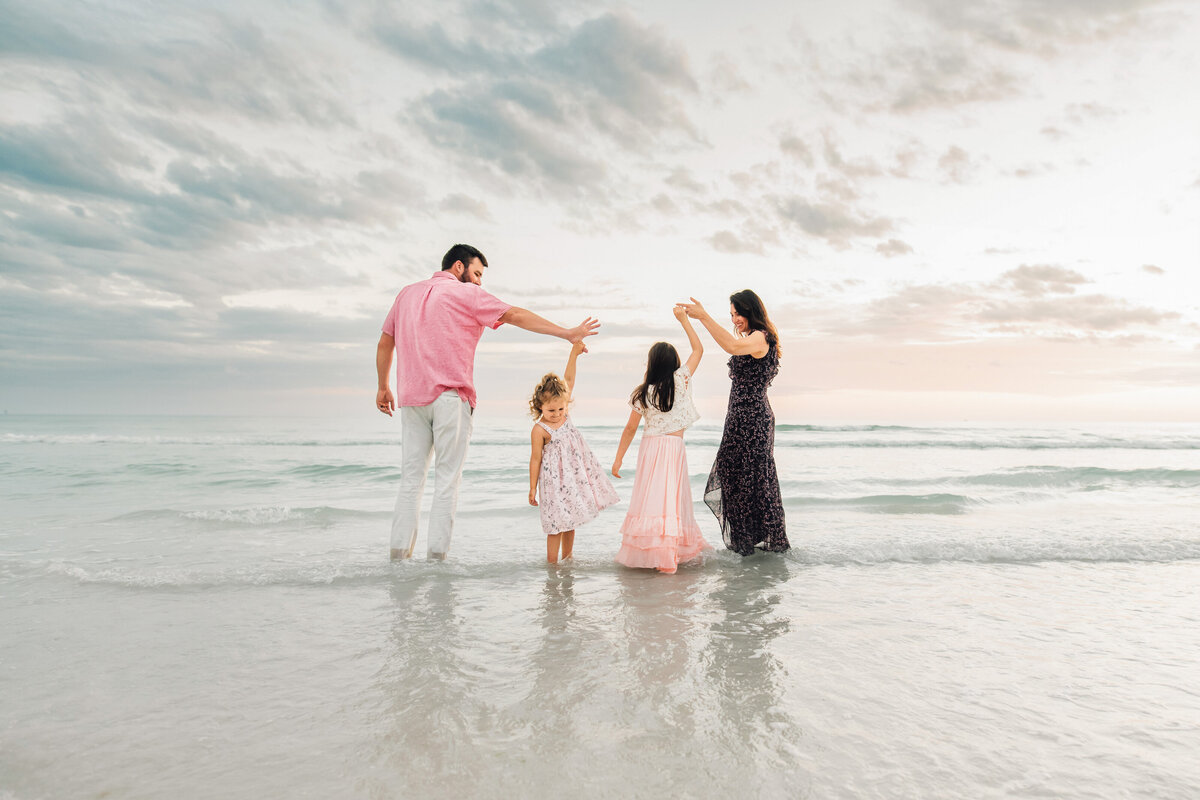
{"x":569,"y":372}
{"x":693,"y":339}
{"x":626,"y":439}
{"x":753,"y":345}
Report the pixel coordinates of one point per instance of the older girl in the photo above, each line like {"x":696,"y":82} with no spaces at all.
{"x":660,"y":529}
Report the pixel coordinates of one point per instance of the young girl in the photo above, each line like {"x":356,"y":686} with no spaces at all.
{"x":573,"y":485}
{"x":660,"y":529}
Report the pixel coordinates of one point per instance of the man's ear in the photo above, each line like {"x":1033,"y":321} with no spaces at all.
{"x":457,"y":269}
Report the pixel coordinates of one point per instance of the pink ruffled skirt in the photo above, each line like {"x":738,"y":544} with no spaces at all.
{"x":660,"y":529}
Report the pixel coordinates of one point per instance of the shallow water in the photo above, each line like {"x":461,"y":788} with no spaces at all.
{"x":202,"y":608}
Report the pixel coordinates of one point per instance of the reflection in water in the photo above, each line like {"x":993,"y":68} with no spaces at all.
{"x":747,"y":675}
{"x":660,"y":632}
{"x":426,"y":737}
{"x":556,"y":669}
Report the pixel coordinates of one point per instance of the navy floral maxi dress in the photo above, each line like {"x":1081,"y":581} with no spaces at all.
{"x":743,"y":488}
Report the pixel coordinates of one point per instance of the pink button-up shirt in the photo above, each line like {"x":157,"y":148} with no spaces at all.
{"x":437,"y":324}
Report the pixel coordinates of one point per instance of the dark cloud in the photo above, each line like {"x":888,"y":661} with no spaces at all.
{"x":191,"y":60}
{"x":547,"y":112}
{"x":837,"y":223}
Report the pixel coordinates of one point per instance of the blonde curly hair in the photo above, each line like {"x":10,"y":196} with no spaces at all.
{"x":550,"y":386}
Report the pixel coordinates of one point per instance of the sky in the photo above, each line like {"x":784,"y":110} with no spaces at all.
{"x":954,"y":212}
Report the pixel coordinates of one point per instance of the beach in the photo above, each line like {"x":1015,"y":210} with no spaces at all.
{"x":202,"y":607}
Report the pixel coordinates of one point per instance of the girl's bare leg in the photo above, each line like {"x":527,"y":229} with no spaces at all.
{"x":568,"y":543}
{"x":552,"y":541}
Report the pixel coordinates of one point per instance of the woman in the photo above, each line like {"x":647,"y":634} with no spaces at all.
{"x":743,"y":489}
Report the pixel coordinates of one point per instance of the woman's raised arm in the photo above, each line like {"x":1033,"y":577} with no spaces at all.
{"x":753,"y":345}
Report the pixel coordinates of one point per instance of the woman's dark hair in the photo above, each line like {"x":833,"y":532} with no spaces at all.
{"x":747,"y":304}
{"x":464,"y":253}
{"x":658,"y":389}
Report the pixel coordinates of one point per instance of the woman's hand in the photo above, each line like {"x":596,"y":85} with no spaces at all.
{"x":693,"y":309}
{"x":533,"y":497}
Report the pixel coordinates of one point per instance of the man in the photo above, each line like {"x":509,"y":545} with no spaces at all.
{"x":434,"y":326}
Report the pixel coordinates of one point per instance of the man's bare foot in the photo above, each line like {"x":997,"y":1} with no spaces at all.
{"x":399,"y":555}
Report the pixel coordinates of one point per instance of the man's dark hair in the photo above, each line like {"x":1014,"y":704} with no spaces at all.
{"x":464,"y":253}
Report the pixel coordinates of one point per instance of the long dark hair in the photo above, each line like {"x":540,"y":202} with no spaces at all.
{"x":658,"y":389}
{"x":747,"y":304}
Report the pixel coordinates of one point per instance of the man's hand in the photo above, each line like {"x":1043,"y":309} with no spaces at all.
{"x":583,"y":330}
{"x":385,"y":402}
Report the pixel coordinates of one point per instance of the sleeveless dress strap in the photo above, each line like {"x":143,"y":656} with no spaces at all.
{"x":547,"y":428}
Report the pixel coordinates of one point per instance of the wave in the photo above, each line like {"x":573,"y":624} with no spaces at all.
{"x":803,"y":555}
{"x":940,"y":503}
{"x":788,"y":436}
{"x":260,"y":516}
{"x":1045,"y":478}
{"x":995,"y":551}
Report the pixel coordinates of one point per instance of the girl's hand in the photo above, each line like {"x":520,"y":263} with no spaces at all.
{"x":578,"y":348}
{"x":616,"y":467}
{"x":533,"y":497}
{"x":680,"y":313}
{"x":693,"y":309}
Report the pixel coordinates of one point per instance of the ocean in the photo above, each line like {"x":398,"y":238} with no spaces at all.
{"x":202,"y":607}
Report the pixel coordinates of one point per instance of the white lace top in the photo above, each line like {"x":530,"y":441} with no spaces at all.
{"x":681,"y":415}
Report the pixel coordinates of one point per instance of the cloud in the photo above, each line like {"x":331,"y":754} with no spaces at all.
{"x":463,"y":204}
{"x":729,"y":242}
{"x":546,"y":113}
{"x":1041,"y":28}
{"x":957,"y":166}
{"x":944,"y":54}
{"x":795,"y":147}
{"x":1153,"y":270}
{"x":893,"y":247}
{"x":1038,"y":301}
{"x":835,"y":222}
{"x":1036,"y":280}
{"x":1073,"y":315}
{"x":681,"y":178}
{"x":194,"y":60}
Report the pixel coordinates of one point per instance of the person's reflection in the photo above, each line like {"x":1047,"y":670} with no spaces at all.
{"x":743,"y":667}
{"x":426,"y":741}
{"x":661,"y":631}
{"x":557,"y":667}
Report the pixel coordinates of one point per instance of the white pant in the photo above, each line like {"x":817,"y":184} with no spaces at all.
{"x":443,"y":427}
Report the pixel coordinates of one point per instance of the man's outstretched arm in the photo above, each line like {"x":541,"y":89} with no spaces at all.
{"x":384,"y":400}
{"x":527,"y":320}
